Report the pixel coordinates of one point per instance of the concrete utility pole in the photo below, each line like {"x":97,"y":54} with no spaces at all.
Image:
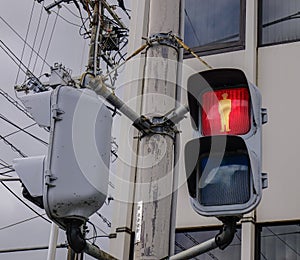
{"x":154,"y":225}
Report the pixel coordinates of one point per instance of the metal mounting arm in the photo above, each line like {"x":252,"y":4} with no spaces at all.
{"x":222,"y":240}
{"x":96,"y":83}
{"x":79,"y":244}
{"x":141,"y":123}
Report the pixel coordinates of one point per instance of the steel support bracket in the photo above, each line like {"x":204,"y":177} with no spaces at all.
{"x":157,"y":125}
{"x":163,"y":126}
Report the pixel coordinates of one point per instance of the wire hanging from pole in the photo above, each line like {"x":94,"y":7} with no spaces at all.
{"x":17,"y":131}
{"x":21,"y":129}
{"x":36,"y":34}
{"x":17,"y":197}
{"x":14,"y":148}
{"x":50,"y":40}
{"x":27,"y":32}
{"x":41,"y":42}
{"x":25,"y":42}
{"x":15,"y":103}
{"x":13,"y":57}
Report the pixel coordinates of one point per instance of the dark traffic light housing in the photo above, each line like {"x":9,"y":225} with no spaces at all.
{"x":223,"y":164}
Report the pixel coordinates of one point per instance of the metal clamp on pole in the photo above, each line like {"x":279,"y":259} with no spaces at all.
{"x":163,"y":39}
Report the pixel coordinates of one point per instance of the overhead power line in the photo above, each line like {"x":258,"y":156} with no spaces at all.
{"x":15,"y":103}
{"x":14,"y":148}
{"x":3,"y":163}
{"x":15,"y":59}
{"x":15,"y":132}
{"x":20,"y":222}
{"x":36,"y":34}
{"x":23,"y":50}
{"x":2,"y":251}
{"x":25,"y":42}
{"x":21,"y":129}
{"x":41,"y":42}
{"x":6,"y":172}
{"x":49,"y":42}
{"x":5,"y":167}
{"x":66,"y":20}
{"x":18,"y":198}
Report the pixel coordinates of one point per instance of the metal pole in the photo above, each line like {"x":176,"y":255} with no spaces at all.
{"x":52,"y":242}
{"x":154,"y":177}
{"x":73,"y":255}
{"x":175,"y":117}
{"x":196,"y":250}
{"x":97,"y":253}
{"x":92,"y":52}
{"x":100,"y":88}
{"x":24,"y":249}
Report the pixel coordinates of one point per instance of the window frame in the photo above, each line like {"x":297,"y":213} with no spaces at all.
{"x":258,"y":230}
{"x":217,"y":48}
{"x":260,"y":29}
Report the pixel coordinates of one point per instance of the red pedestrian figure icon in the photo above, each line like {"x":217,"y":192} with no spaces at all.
{"x":224,"y":110}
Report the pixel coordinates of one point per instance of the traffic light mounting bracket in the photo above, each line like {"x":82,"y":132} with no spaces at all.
{"x":221,"y":240}
{"x":145,"y":125}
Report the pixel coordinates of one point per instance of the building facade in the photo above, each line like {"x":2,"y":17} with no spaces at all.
{"x":262,"y":38}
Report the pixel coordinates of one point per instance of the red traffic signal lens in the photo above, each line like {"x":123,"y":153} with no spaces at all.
{"x":226,"y":112}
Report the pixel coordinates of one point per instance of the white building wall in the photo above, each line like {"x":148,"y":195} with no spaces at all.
{"x":278,"y":78}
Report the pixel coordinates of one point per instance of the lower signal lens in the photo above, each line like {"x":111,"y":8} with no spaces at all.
{"x":224,"y":181}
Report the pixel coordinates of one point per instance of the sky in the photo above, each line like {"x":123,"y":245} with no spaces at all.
{"x":66,"y":46}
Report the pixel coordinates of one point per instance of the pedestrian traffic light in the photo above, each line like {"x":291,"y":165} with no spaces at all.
{"x":223,"y":164}
{"x":71,"y":181}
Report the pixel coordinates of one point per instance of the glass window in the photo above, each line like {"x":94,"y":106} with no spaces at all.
{"x":214,"y":24}
{"x":189,"y":238}
{"x":279,"y":242}
{"x":279,"y":21}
